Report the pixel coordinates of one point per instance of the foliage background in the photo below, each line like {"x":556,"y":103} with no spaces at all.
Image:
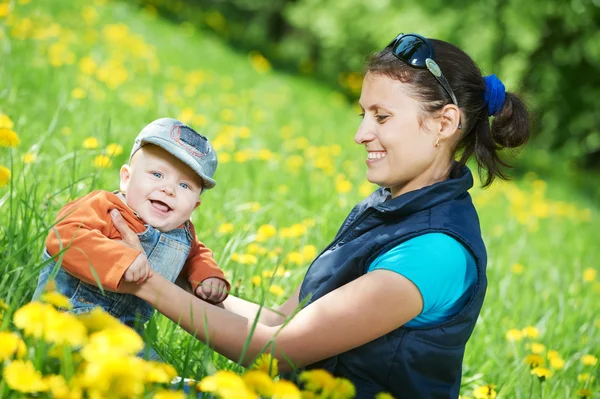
{"x":547,"y":50}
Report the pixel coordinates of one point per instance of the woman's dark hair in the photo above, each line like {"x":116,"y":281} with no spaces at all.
{"x":509,"y":127}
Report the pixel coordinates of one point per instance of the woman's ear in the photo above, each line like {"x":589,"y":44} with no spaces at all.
{"x":450,"y":122}
{"x":125,"y":175}
{"x":198,"y":203}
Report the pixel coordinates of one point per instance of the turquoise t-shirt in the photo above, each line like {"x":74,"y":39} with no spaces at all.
{"x":443,"y":270}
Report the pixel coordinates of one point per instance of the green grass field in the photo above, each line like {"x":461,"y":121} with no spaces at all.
{"x":78,"y":80}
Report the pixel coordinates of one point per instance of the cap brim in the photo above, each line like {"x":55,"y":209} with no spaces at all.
{"x":182,"y":155}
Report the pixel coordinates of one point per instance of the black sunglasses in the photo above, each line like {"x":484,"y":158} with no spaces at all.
{"x":417,"y":51}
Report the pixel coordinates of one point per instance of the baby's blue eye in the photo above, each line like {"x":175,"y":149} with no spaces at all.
{"x":157,"y":174}
{"x":184,"y":185}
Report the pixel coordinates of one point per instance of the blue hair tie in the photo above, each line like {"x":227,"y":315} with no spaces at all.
{"x":494,"y":94}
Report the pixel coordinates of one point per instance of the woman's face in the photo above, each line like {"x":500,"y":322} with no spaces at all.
{"x":401,"y":152}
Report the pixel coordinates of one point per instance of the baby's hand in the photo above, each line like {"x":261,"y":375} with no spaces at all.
{"x":212,"y":289}
{"x":139,"y":270}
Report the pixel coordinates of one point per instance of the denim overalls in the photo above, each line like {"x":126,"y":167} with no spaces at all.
{"x":166,"y":252}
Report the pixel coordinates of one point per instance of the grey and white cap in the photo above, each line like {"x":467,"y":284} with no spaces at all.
{"x":184,"y":143}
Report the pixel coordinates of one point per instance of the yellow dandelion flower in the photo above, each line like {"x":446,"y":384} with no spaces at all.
{"x":485,"y":392}
{"x":267,"y":364}
{"x":584,"y":393}
{"x":294,"y":258}
{"x":247,"y":259}
{"x":294,"y":162}
{"x":65,"y":328}
{"x":169,"y":394}
{"x":114,"y":150}
{"x":4,"y":176}
{"x":59,"y":389}
{"x":87,"y":66}
{"x":90,"y":143}
{"x":223,"y":383}
{"x":102,"y":161}
{"x":589,"y":360}
{"x":517,"y":268}
{"x":28,"y":158}
{"x":78,"y":93}
{"x":557,"y":363}
{"x":33,"y":317}
{"x":226,"y":228}
{"x":552,"y":354}
{"x":534,"y":360}
{"x":366,"y":188}
{"x":244,"y":132}
{"x":265,"y":155}
{"x":224,"y":157}
{"x":514,"y":335}
{"x":23,"y":377}
{"x":3,"y":305}
{"x":8,"y":138}
{"x":344,"y":389}
{"x":98,"y":320}
{"x":589,"y":274}
{"x":276,"y":290}
{"x":531,"y":332}
{"x":226,"y":115}
{"x":259,"y":382}
{"x":585,"y":377}
{"x":384,"y":395}
{"x":56,"y":299}
{"x":343,"y":186}
{"x":317,"y":380}
{"x":10,"y":345}
{"x":254,"y":248}
{"x":259,"y":62}
{"x":5,"y":122}
{"x":119,"y":341}
{"x":159,"y":372}
{"x":256,"y":280}
{"x":542,"y":373}
{"x":286,"y":390}
{"x":309,"y":251}
{"x":265,"y":232}
{"x":111,"y":375}
{"x":537,"y":348}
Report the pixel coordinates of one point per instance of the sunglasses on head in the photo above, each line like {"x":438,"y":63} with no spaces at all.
{"x":417,"y":51}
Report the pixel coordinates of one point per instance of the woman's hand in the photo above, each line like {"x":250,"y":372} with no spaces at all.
{"x":130,"y":280}
{"x":128,"y":236}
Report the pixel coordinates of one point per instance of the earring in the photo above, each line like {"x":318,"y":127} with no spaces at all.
{"x":437,"y":143}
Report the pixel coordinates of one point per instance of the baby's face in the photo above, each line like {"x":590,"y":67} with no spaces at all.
{"x":160,"y":188}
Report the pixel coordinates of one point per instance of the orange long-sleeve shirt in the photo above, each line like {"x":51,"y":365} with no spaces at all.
{"x":85,"y":227}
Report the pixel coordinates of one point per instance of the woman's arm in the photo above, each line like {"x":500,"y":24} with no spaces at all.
{"x":269,"y":317}
{"x":350,"y":316}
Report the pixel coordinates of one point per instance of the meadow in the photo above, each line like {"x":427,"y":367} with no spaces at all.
{"x":79,"y":79}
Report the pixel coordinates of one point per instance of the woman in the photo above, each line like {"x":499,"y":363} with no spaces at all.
{"x":392,"y":301}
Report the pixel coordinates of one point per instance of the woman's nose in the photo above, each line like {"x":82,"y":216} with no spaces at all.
{"x":365,"y":133}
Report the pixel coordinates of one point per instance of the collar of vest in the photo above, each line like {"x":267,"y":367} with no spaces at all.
{"x":460,"y":181}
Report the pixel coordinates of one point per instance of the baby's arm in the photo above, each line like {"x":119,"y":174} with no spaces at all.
{"x":207,"y":279}
{"x":83,"y":235}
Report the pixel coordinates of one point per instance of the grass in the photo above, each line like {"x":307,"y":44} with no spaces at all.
{"x":72,"y":71}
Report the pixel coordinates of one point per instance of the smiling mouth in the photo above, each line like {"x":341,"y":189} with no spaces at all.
{"x":373,"y":156}
{"x":160,"y":206}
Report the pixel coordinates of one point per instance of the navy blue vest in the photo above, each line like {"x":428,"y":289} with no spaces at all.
{"x":407,"y":362}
